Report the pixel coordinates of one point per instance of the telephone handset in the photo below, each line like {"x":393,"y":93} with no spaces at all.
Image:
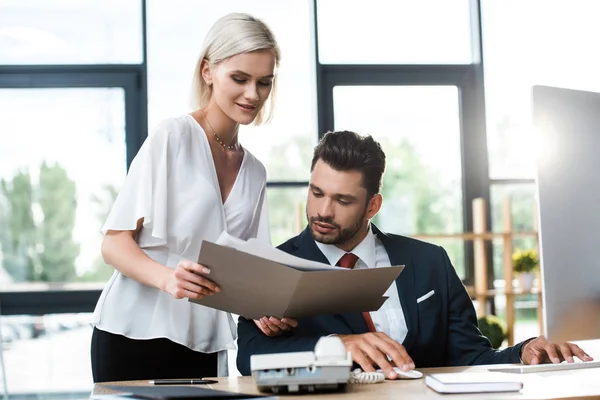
{"x":335,"y":349}
{"x":328,"y":368}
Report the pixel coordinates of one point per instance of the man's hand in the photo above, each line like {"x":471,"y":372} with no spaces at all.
{"x":541,"y":351}
{"x":272,"y":326}
{"x":373,"y":349}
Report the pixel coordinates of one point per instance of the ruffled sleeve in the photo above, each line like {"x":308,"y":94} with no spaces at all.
{"x":145,"y":191}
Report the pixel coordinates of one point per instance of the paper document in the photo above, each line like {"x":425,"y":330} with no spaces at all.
{"x":260,"y":249}
{"x":257,"y":280}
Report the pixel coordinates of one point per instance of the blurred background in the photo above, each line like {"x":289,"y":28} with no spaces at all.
{"x":444,"y":85}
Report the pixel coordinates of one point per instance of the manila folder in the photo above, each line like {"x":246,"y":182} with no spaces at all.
{"x":253,"y":286}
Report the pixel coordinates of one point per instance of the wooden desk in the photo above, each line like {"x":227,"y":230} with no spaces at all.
{"x":574,"y":384}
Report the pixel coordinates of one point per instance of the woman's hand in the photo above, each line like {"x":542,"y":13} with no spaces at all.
{"x":272,"y":326}
{"x":185,"y":281}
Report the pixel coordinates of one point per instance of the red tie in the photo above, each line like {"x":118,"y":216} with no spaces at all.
{"x":348,"y":260}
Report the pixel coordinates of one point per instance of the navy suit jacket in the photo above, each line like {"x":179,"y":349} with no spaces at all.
{"x":442,"y":330}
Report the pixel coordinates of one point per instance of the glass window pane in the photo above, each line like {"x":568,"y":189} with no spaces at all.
{"x":455,"y":247}
{"x":419,"y":129}
{"x":62,"y":158}
{"x":394,"y":32}
{"x":48,"y":354}
{"x":526,"y":322}
{"x":522,"y":48}
{"x":522,"y":198}
{"x":173,"y":52}
{"x":287,"y":212}
{"x":70,"y":32}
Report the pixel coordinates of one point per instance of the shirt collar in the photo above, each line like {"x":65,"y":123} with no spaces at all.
{"x":365,"y":250}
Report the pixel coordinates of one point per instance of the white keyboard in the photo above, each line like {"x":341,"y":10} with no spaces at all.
{"x":524,"y":369}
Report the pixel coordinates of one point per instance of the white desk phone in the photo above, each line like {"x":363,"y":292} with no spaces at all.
{"x":328,"y":368}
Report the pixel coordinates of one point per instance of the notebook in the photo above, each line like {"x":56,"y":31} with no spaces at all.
{"x":473,"y":382}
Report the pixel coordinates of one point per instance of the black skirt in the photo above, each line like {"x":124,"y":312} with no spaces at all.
{"x":118,"y":358}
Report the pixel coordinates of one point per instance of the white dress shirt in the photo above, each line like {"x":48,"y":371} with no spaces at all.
{"x":172,"y":184}
{"x":371,"y":254}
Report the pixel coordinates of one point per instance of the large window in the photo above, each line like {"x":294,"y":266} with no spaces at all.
{"x":66,"y":140}
{"x":523,"y":46}
{"x":72,"y":116}
{"x":394,"y":32}
{"x":70,"y":32}
{"x":409,"y":73}
{"x":422,"y":187}
{"x":62,"y":160}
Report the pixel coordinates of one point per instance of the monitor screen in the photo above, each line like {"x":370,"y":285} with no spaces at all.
{"x":568,"y":194}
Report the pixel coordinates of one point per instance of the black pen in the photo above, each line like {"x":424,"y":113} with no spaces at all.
{"x":182,"y":381}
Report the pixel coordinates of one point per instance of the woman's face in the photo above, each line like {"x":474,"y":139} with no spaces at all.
{"x":242,"y":84}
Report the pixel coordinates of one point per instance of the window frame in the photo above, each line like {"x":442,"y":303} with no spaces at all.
{"x":130,"y":79}
{"x":468,"y":78}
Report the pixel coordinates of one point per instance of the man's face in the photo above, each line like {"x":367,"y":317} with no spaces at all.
{"x":337,"y":208}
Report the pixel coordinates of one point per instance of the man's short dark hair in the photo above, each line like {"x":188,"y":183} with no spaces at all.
{"x":349,"y":151}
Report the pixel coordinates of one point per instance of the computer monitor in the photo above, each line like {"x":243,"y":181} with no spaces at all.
{"x":568,"y":194}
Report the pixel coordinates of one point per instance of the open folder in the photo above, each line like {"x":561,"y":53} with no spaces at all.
{"x":254,"y":286}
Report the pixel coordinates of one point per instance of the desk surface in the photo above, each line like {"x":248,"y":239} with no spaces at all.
{"x":573,"y":384}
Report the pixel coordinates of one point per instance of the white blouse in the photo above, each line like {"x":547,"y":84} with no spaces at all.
{"x":172,"y":184}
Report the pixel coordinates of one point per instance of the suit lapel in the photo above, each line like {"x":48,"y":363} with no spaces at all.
{"x":400,"y":254}
{"x":306,"y":248}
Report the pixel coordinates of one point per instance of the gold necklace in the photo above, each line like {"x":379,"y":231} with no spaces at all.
{"x":218,"y":139}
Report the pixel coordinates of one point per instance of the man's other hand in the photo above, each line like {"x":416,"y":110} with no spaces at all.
{"x":371,"y":350}
{"x":272,"y":326}
{"x":541,"y":351}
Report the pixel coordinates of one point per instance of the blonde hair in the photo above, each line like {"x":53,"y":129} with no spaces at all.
{"x":234,"y":34}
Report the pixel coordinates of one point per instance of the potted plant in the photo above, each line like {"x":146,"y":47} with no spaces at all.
{"x":525,"y":263}
{"x":492,"y":328}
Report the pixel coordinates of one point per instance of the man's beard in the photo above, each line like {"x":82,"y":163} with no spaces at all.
{"x":343,"y":235}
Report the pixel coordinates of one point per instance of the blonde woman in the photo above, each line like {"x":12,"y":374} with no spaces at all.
{"x":190,"y":181}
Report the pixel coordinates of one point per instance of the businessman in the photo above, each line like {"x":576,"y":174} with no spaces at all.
{"x":428,"y":319}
